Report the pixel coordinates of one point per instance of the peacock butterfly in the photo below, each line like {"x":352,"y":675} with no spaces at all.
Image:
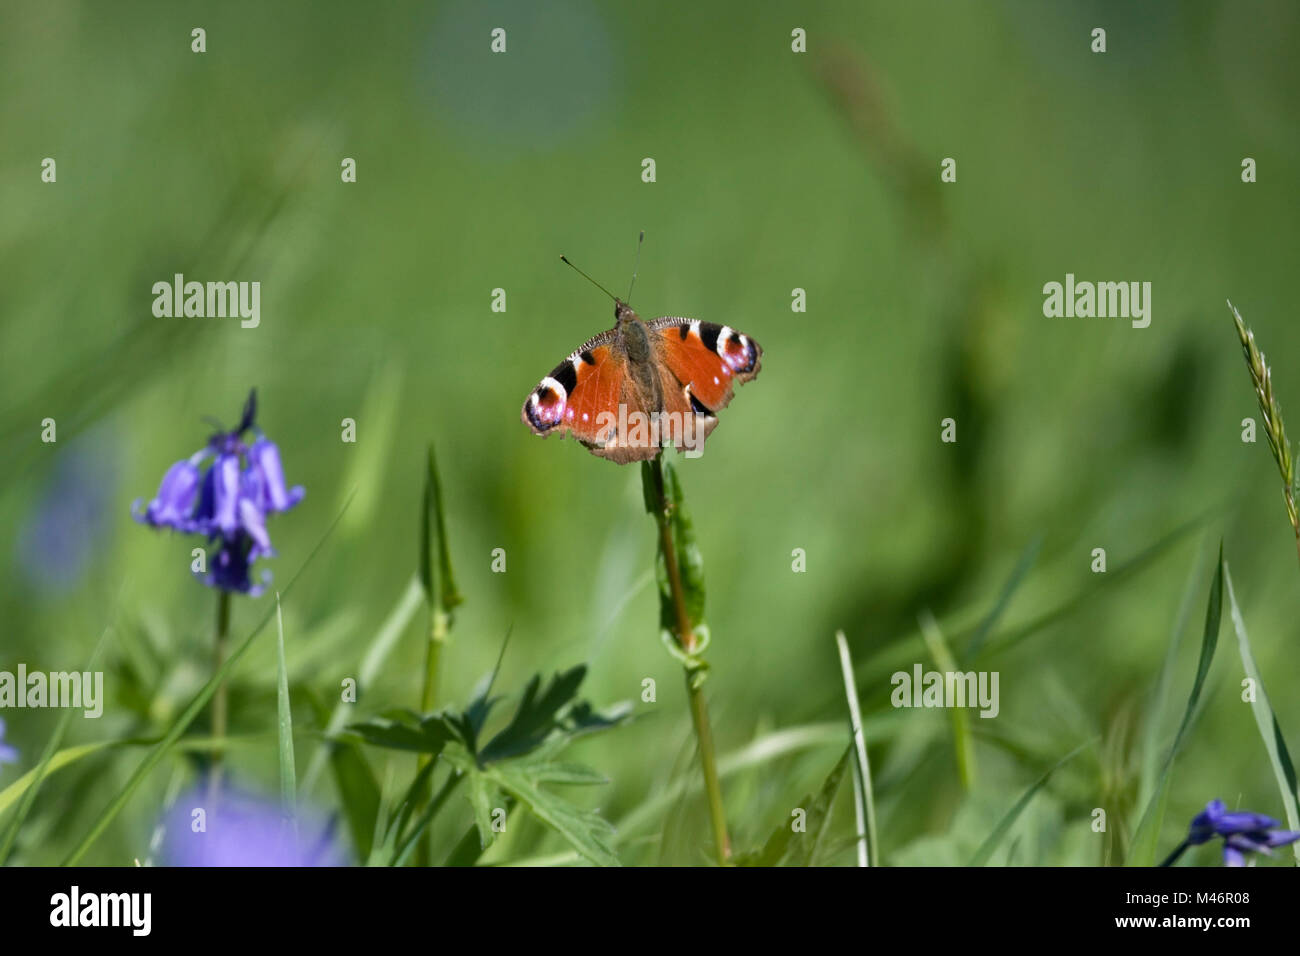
{"x":630,"y":391}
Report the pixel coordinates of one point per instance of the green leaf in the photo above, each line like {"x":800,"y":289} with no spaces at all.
{"x":1026,"y":561}
{"x":1269,"y":730}
{"x":187,"y":716}
{"x":963,"y":743}
{"x":690,"y":562}
{"x":547,"y":771}
{"x":1147,"y":835}
{"x":585,"y":831}
{"x":1150,"y":762}
{"x":786,"y":847}
{"x":440,"y":585}
{"x":400,"y":729}
{"x":987,"y":848}
{"x":863,"y":796}
{"x":284,"y":713}
{"x":537,"y":715}
{"x":358,"y":794}
{"x":480,"y":796}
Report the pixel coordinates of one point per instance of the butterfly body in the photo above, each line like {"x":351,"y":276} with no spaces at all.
{"x":630,"y":391}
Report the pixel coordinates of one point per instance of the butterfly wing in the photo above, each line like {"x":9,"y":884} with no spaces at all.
{"x":709,"y":360}
{"x":570,"y":398}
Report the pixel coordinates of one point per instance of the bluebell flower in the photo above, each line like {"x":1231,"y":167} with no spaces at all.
{"x":64,"y":530}
{"x":228,"y":503}
{"x":245,"y":830}
{"x":1243,"y":832}
{"x":173,"y":506}
{"x":8,"y":754}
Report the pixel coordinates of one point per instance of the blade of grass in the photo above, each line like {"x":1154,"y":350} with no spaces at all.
{"x":70,"y":755}
{"x":1269,"y":730}
{"x":288,"y":773}
{"x":1147,"y":834}
{"x":990,"y":845}
{"x":1155,"y":713}
{"x":1025,"y":562}
{"x":37,"y":775}
{"x":963,"y":743}
{"x":863,"y":799}
{"x":181,"y":723}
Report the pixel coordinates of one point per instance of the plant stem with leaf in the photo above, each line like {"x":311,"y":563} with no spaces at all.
{"x":688,"y":645}
{"x":441,"y":596}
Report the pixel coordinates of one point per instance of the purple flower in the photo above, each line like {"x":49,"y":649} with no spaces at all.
{"x":228,"y":503}
{"x":1243,"y":832}
{"x":245,"y":830}
{"x":173,"y":507}
{"x":8,"y":754}
{"x":64,"y":530}
{"x":265,"y":459}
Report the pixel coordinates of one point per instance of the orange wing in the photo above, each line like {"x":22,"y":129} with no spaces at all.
{"x":708,"y":359}
{"x":570,"y":399}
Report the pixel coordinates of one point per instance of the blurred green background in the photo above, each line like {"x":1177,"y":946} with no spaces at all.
{"x":775,"y":170}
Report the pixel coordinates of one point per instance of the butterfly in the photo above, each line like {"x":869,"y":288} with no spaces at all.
{"x":641,"y":386}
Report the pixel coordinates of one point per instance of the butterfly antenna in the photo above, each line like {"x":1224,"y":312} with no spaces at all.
{"x":636,"y":264}
{"x":565,"y":260}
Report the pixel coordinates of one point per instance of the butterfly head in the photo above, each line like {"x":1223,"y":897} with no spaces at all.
{"x":623,"y":313}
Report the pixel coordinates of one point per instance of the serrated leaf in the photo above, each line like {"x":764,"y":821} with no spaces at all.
{"x":536,"y":716}
{"x":406,"y":730}
{"x":585,"y":831}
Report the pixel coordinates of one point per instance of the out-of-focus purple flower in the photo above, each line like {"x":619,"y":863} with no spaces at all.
{"x":264,"y":457}
{"x":8,"y":754}
{"x":228,"y":503}
{"x":65,"y":528}
{"x":245,"y":830}
{"x":231,"y":567}
{"x":173,"y":506}
{"x":1243,"y":832}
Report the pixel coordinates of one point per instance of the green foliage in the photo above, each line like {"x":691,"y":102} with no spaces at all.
{"x":518,"y":759}
{"x":1145,"y":839}
{"x":436,"y":574}
{"x":786,"y":847}
{"x":1270,"y":732}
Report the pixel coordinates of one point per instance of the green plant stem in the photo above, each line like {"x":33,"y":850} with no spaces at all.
{"x":708,"y":763}
{"x":686,"y":641}
{"x":422,"y":825}
{"x":220,"y":699}
{"x":438,"y":621}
